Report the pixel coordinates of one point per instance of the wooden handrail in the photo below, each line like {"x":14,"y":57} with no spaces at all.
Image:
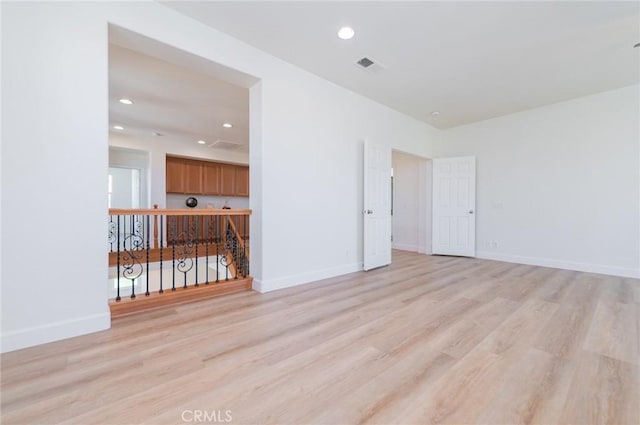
{"x":176,"y":211}
{"x":233,"y":227}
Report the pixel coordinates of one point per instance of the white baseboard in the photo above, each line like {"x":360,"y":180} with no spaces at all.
{"x":299,"y":279}
{"x":405,"y":247}
{"x":559,"y":264}
{"x":29,"y":337}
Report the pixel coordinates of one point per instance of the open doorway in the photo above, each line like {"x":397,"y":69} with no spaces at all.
{"x":128,"y":180}
{"x":412,"y":202}
{"x":179,"y":174}
{"x":124,"y":188}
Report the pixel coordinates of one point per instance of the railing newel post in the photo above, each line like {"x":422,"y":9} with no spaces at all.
{"x":155,"y":227}
{"x":173,"y":252}
{"x":197,"y":230}
{"x":207,"y":220}
{"x":118,"y":266}
{"x":161,"y":250}
{"x":217,"y":241}
{"x":148,"y":242}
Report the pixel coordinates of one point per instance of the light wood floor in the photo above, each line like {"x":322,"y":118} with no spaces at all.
{"x":426,"y":340}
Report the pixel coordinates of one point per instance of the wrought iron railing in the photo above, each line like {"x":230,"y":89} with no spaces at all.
{"x":236,"y":246}
{"x":158,"y":250}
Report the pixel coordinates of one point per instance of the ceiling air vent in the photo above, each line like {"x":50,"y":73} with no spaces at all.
{"x":365,"y":62}
{"x":369,"y":65}
{"x":226,"y":145}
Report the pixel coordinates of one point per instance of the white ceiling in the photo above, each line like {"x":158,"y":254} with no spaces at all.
{"x":469,"y":60}
{"x":183,"y":105}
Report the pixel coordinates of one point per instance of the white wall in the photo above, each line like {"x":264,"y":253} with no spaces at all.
{"x":316,"y":176}
{"x":559,"y":185}
{"x":306,"y":137}
{"x":128,"y":158}
{"x":1,"y":177}
{"x":54,"y":173}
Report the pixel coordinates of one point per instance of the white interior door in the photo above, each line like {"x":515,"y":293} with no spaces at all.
{"x":454,"y":204}
{"x":377,"y":206}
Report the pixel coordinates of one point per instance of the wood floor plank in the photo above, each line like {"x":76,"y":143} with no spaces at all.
{"x":433,"y":322}
{"x":426,"y":340}
{"x":613,"y":331}
{"x":557,"y":286}
{"x":409,"y":375}
{"x":467,"y":333}
{"x":517,"y":331}
{"x":462,"y":393}
{"x":621,"y":290}
{"x":533,"y":392}
{"x":566,"y":331}
{"x":603,"y":391}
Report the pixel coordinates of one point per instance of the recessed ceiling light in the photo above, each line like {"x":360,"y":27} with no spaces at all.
{"x":126,"y":101}
{"x":435,"y":113}
{"x":157,"y":134}
{"x":227,"y":125}
{"x":346,"y":33}
{"x":202,"y":142}
{"x":118,"y":127}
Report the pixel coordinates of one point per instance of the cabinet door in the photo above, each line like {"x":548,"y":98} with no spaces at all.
{"x":210,"y":178}
{"x":228,"y":180}
{"x":242,"y":181}
{"x":175,"y":175}
{"x":193,"y":177}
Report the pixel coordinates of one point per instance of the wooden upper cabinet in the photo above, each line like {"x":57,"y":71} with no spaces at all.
{"x":193,"y":177}
{"x":242,"y":181}
{"x":227,"y":180}
{"x":175,"y":175}
{"x":211,"y":178}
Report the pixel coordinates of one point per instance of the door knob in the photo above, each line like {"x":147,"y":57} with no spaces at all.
{"x":369,"y":212}
{"x":470,"y":211}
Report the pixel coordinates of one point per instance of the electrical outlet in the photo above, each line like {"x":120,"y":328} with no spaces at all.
{"x":494,"y":244}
